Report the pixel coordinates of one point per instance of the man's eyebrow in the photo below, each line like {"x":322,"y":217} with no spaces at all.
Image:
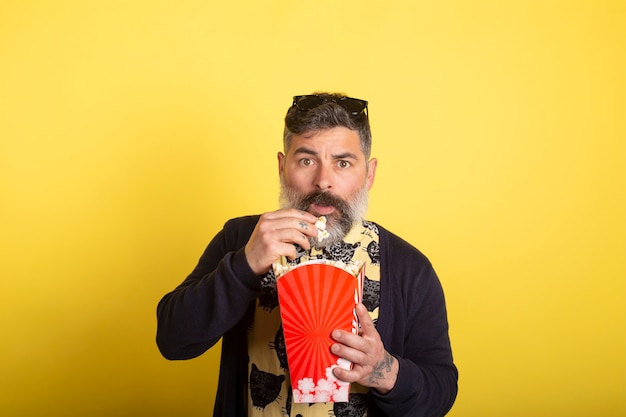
{"x":345,"y":155}
{"x":305,"y":151}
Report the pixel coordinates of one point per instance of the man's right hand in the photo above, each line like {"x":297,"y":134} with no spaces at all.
{"x":275,"y":235}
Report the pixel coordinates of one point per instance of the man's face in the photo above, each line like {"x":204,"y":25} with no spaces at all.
{"x":326,"y":174}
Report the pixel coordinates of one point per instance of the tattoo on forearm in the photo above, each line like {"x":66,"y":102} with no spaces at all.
{"x":381,"y":368}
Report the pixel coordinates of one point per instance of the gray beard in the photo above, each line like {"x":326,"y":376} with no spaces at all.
{"x":351,"y":212}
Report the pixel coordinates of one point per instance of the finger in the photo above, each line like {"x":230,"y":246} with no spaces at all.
{"x":291,"y":213}
{"x":310,"y":218}
{"x":285,"y":229}
{"x":305,"y":227}
{"x":290,"y":219}
{"x":366,"y":325}
{"x":367,"y":330}
{"x":348,"y":344}
{"x":348,"y":375}
{"x":291,"y":236}
{"x":288,"y":250}
{"x":357,"y":357}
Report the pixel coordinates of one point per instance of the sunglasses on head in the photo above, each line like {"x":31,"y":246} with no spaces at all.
{"x":354,"y":106}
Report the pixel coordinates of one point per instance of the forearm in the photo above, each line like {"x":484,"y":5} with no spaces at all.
{"x":194,"y":316}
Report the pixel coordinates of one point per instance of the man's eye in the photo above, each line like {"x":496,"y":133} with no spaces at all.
{"x":343,"y":164}
{"x":306,"y":162}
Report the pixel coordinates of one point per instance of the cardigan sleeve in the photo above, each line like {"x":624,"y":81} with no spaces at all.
{"x":414,"y":328}
{"x":212,"y":299}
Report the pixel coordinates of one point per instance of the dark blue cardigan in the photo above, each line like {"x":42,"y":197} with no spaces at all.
{"x":217,"y":301}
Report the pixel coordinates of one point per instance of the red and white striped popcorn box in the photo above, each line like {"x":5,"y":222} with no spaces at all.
{"x":315,"y":298}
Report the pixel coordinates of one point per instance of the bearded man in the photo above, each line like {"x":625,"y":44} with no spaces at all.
{"x":401,"y":357}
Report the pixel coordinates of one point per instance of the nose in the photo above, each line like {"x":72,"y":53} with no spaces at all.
{"x":324,"y":178}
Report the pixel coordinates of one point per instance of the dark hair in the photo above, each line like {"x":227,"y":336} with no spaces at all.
{"x":327,"y":116}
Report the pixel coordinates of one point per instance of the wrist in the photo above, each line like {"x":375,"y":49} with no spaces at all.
{"x":250,"y":260}
{"x":391,"y":375}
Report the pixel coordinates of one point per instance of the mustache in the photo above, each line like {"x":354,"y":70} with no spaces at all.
{"x":324,"y":198}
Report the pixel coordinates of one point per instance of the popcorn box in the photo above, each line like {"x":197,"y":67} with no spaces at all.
{"x":315,"y":298}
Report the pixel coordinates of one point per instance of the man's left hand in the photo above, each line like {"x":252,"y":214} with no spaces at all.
{"x":372,"y":365}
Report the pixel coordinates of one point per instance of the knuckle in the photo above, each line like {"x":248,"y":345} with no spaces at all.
{"x":264,"y":217}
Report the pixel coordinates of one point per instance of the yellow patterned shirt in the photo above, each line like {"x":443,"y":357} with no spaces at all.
{"x":269,"y":390}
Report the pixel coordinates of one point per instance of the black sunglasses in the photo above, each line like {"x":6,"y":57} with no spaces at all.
{"x":354,"y":106}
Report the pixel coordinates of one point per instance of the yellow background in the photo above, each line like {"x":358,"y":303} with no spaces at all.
{"x":130,"y":131}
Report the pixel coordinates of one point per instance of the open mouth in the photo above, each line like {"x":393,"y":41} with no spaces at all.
{"x":322,"y":210}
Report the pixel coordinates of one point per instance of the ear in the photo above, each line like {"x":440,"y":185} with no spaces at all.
{"x":371,"y":172}
{"x":281,"y":163}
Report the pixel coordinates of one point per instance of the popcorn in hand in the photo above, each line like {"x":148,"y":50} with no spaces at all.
{"x":320,"y":224}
